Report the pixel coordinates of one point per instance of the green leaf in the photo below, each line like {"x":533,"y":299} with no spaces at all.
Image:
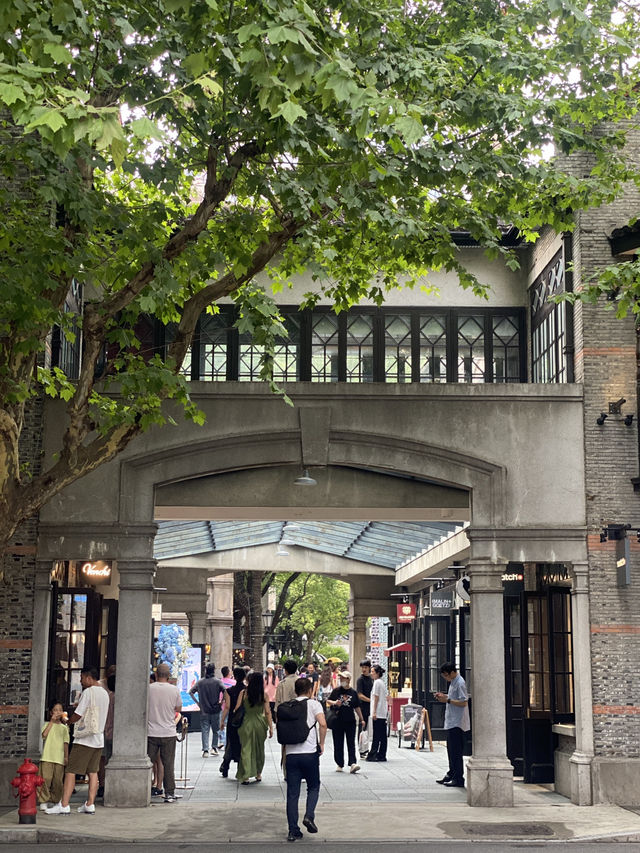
{"x":9,"y":93}
{"x":196,"y":63}
{"x":290,"y":112}
{"x":409,"y":128}
{"x":58,"y":53}
{"x":248,"y":30}
{"x":144,"y":128}
{"x":47,"y":118}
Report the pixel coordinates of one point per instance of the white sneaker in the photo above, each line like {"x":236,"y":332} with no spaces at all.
{"x":338,"y":769}
{"x":354,"y":768}
{"x":213,"y":751}
{"x":45,"y":806}
{"x":86,"y":809}
{"x":58,"y":809}
{"x":205,"y":754}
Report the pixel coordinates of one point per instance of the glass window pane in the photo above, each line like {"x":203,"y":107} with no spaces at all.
{"x":359,"y":348}
{"x":397,"y":348}
{"x":324,"y":348}
{"x":79,"y":612}
{"x":471,"y":366}
{"x":63,"y":620}
{"x":75,"y":687}
{"x":433,"y":348}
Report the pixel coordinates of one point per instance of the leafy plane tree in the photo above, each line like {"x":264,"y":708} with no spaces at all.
{"x":349,"y":138}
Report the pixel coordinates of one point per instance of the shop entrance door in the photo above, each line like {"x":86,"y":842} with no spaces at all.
{"x":74,"y":641}
{"x":537,"y":721}
{"x":438,"y":650}
{"x":513,"y":682}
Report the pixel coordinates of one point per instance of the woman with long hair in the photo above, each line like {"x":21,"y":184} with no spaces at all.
{"x":253,"y":731}
{"x":271,"y":682}
{"x":325,"y":686}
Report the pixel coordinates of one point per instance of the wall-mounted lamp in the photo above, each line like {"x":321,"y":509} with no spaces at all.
{"x":615,"y":408}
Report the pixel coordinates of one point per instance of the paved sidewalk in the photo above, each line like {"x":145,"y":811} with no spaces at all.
{"x":396,"y":801}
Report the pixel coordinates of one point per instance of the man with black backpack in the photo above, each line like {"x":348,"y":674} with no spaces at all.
{"x":302,"y":728}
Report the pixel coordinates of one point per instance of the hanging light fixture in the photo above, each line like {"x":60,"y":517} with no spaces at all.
{"x":305,"y":480}
{"x":282,"y":551}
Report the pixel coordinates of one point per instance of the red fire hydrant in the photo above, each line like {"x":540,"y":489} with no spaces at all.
{"x":27,"y":782}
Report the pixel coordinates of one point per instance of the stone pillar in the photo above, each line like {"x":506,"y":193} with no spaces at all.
{"x":581,"y":760}
{"x":128,"y":775}
{"x":357,"y":644}
{"x":39,"y":657}
{"x":197,"y":627}
{"x":489,"y":771}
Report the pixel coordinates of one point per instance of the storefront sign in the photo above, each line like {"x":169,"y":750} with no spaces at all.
{"x":442,"y":600}
{"x":96,"y":573}
{"x":406,"y":612}
{"x":552,"y":574}
{"x":623,"y":562}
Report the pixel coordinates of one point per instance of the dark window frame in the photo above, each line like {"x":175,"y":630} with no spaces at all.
{"x":449,"y":317}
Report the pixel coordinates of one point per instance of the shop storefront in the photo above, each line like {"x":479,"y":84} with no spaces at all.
{"x":538,"y":659}
{"x":83,"y":629}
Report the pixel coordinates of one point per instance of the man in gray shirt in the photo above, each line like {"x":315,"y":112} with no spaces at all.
{"x":456,"y":723}
{"x":210,"y":696}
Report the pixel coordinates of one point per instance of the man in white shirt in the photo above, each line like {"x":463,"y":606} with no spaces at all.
{"x":89,"y":717}
{"x":164,"y":703}
{"x":379,"y":714}
{"x":303,"y":762}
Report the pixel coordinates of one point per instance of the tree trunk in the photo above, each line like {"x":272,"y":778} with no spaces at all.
{"x":310,"y":639}
{"x":256,"y":661}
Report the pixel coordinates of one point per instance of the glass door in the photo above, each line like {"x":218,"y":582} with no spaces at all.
{"x":75,"y":625}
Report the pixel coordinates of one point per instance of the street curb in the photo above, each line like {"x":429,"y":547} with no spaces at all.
{"x":35,"y":835}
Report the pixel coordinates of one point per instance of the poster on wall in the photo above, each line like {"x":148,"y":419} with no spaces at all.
{"x":191,"y":673}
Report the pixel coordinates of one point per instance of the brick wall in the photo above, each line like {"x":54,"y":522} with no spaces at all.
{"x":16,"y":607}
{"x":605,"y":361}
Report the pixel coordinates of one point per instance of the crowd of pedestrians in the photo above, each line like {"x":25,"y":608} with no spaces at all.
{"x":238,"y":711}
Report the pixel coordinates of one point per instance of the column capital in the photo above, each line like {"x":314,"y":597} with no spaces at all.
{"x":579,"y":578}
{"x":136,"y":574}
{"x":485,"y":575}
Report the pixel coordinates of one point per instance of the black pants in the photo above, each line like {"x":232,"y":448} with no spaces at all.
{"x":341,"y":731}
{"x":455,"y":746}
{"x":379,"y":741}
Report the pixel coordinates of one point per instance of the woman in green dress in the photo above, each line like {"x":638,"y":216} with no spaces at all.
{"x":253,"y":731}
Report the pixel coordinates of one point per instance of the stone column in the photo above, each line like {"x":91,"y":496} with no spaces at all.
{"x":581,"y":760}
{"x":39,"y":657}
{"x":357,"y":644}
{"x":128,"y":776}
{"x":197,"y":627}
{"x":489,"y":771}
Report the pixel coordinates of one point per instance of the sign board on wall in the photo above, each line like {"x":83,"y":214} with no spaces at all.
{"x":190,"y":675}
{"x":406,"y":612}
{"x":96,"y":572}
{"x":442,"y":600}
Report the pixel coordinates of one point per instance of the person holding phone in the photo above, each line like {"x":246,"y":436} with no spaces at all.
{"x":456,"y":723}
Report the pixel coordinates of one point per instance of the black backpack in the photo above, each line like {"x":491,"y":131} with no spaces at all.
{"x":292,"y":725}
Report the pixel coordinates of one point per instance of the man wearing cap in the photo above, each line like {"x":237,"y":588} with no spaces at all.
{"x":163,"y":703}
{"x":346,"y":704}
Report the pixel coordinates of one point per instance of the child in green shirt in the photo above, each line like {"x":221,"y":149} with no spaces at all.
{"x":55,"y":754}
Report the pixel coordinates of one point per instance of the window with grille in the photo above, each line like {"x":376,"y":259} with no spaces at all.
{"x":213,"y":339}
{"x":549,"y":332}
{"x":367,"y":345}
{"x":324,"y":348}
{"x":432,"y":347}
{"x":359,"y":350}
{"x":471,"y":346}
{"x":397,"y":348}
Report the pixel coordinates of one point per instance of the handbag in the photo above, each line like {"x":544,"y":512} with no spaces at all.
{"x":90,"y":722}
{"x":237,"y":718}
{"x":332,"y":717}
